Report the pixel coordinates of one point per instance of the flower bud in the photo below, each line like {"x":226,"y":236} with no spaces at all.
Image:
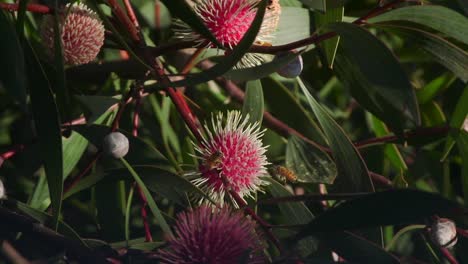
{"x":116,"y":145}
{"x":444,"y":233}
{"x":82,"y":34}
{"x":2,"y":191}
{"x":292,"y":69}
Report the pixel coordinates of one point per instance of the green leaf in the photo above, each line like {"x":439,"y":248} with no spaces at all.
{"x":462,"y":143}
{"x":319,"y":5}
{"x":436,"y":17}
{"x":457,"y":119}
{"x":446,"y":53}
{"x":356,"y":249}
{"x":253,"y":102}
{"x":151,"y":203}
{"x":61,"y":89}
{"x":391,"y":151}
{"x":352,"y":171}
{"x":47,"y":121}
{"x":309,"y":163}
{"x":182,"y":10}
{"x":434,"y":88}
{"x":294,"y":25}
{"x":278,"y":97}
{"x":334,"y":13}
{"x":12,"y":68}
{"x":73,"y":148}
{"x":295,"y":213}
{"x":96,"y":105}
{"x":432,"y":115}
{"x":261,"y":71}
{"x":229,"y":61}
{"x":44,"y":218}
{"x":393,"y":207}
{"x":379,"y":84}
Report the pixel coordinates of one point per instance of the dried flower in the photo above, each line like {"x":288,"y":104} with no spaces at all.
{"x":228,"y":21}
{"x":205,"y":235}
{"x":444,"y":233}
{"x":232,"y":152}
{"x":82,"y":34}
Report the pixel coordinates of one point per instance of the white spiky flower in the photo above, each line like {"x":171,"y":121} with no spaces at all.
{"x":232,"y":151}
{"x":228,"y":21}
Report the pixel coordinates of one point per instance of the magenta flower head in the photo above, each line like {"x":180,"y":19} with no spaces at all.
{"x":232,"y":152}
{"x":205,"y":235}
{"x":228,"y":21}
{"x":82,"y":34}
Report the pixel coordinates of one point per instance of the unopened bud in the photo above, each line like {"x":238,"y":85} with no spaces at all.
{"x":116,"y":145}
{"x":292,"y":69}
{"x":444,"y":233}
{"x":2,"y":191}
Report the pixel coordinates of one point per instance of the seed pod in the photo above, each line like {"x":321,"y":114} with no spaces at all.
{"x":444,"y":233}
{"x":292,"y":69}
{"x":116,"y":145}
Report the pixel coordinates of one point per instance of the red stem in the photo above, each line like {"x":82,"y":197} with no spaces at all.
{"x":144,"y":201}
{"x":35,"y":8}
{"x":119,"y":13}
{"x":448,"y":255}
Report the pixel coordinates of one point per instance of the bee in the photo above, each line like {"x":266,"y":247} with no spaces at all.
{"x":214,"y":160}
{"x":284,"y":173}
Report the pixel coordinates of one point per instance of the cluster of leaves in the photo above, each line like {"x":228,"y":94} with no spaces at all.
{"x":375,"y":118}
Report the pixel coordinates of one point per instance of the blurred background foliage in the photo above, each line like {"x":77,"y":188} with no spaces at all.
{"x":395,"y":86}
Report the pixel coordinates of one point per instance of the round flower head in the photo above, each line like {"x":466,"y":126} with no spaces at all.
{"x":82,"y":34}
{"x":205,"y":235}
{"x":228,"y":21}
{"x":232,"y":152}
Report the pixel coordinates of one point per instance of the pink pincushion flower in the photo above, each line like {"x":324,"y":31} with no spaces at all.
{"x":207,"y":235}
{"x":82,"y":34}
{"x":232,"y":152}
{"x":228,"y":21}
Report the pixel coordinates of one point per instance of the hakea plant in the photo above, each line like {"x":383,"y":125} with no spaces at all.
{"x":82,"y":34}
{"x":232,"y":157}
{"x":207,"y":235}
{"x":228,"y":21}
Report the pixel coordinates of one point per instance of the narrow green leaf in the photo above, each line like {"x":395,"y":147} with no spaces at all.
{"x":319,"y":5}
{"x":432,"y":115}
{"x":128,"y":213}
{"x":457,"y":119}
{"x":21,"y":16}
{"x":436,"y":17}
{"x":391,"y":207}
{"x":334,"y":13}
{"x":151,"y":203}
{"x":182,"y":10}
{"x":379,"y":81}
{"x":73,"y":148}
{"x":12,"y":68}
{"x":47,"y":121}
{"x":294,"y":25}
{"x":352,"y":171}
{"x":391,"y":151}
{"x":278,"y":97}
{"x":309,"y":163}
{"x":462,"y":143}
{"x":452,"y":57}
{"x":253,"y":102}
{"x":61,"y":89}
{"x":434,"y":88}
{"x":356,"y":249}
{"x":44,"y":218}
{"x":95,"y":105}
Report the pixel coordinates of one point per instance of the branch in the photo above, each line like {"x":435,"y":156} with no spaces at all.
{"x":35,"y":8}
